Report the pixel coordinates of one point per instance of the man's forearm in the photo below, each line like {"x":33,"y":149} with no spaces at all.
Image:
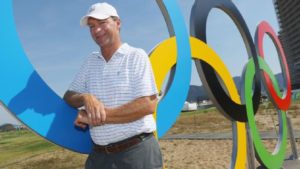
{"x":94,"y":107}
{"x":131,"y":111}
{"x":74,"y":99}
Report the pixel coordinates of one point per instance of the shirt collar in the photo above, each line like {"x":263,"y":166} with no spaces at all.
{"x":122,"y":49}
{"x":120,"y":52}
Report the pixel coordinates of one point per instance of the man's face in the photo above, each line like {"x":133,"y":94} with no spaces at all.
{"x":104,"y":32}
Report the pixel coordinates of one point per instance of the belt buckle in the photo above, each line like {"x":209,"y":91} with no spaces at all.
{"x":106,"y":149}
{"x":143,"y":136}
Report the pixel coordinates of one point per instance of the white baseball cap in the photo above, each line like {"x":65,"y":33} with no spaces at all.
{"x":99,"y":11}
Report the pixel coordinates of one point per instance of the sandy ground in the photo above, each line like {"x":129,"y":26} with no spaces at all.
{"x":216,"y":154}
{"x":177,"y":154}
{"x":194,"y":154}
{"x":201,"y":154}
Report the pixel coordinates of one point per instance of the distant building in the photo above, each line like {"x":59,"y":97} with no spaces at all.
{"x":11,"y":127}
{"x":288,"y":14}
{"x":20,"y":127}
{"x":205,"y":104}
{"x":189,"y":106}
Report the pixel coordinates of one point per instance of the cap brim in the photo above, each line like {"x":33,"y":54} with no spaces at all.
{"x":83,"y":20}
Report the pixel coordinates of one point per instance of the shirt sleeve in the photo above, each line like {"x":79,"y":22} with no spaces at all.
{"x":144,"y":79}
{"x":79,"y":83}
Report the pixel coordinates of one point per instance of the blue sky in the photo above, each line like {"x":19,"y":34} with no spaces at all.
{"x":55,"y":43}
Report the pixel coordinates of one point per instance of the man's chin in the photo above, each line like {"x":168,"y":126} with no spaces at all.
{"x":103,"y":44}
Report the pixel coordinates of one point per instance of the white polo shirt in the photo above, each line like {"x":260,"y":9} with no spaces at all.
{"x":126,"y":76}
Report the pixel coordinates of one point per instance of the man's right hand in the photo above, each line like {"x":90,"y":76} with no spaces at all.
{"x":81,"y":119}
{"x":95,"y":109}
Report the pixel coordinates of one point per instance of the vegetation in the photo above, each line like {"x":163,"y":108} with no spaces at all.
{"x":20,"y":145}
{"x":211,"y":109}
{"x":24,"y":149}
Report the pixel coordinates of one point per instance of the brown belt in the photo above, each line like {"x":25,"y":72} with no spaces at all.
{"x":121,"y":145}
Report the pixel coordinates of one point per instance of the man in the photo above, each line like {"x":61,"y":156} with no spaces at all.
{"x":116,"y":87}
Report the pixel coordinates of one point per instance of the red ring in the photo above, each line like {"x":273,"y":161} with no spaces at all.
{"x":282,"y":103}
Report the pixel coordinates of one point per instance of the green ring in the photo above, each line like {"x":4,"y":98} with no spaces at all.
{"x":270,"y":160}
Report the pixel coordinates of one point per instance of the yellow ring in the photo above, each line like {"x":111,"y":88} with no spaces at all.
{"x":164,"y":57}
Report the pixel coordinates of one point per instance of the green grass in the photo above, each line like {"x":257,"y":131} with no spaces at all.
{"x":23,"y":144}
{"x":26,"y":150}
{"x":198,"y":111}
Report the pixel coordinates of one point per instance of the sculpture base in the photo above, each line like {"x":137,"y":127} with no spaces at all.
{"x":289,"y":163}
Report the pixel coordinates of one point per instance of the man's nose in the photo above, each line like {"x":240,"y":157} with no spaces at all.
{"x":98,"y":30}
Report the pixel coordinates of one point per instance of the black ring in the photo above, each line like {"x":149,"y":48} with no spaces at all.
{"x":223,"y":102}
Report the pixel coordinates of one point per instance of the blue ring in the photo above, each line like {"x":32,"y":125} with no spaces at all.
{"x":28,"y":97}
{"x":174,"y":100}
{"x":31,"y":100}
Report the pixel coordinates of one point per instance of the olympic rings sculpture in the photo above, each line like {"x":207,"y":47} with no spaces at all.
{"x":27,"y":96}
{"x":210,"y":67}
